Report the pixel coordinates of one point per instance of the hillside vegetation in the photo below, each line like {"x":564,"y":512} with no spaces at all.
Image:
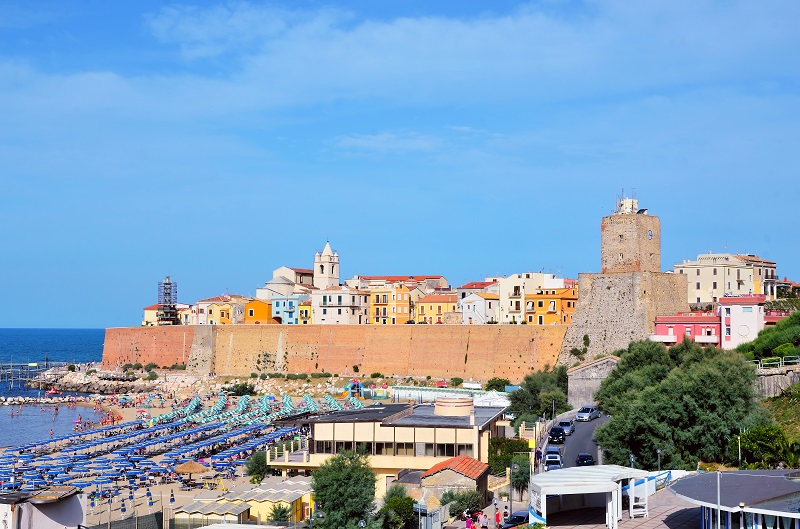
{"x":785,"y":409}
{"x":782,"y":339}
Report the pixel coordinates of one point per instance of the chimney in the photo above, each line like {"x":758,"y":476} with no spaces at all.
{"x":472,"y":417}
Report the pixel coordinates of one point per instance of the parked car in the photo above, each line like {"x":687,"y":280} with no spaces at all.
{"x":553,"y":461}
{"x":558,"y":450}
{"x":588,"y":413}
{"x":568,"y":425}
{"x":584,"y":460}
{"x":516,"y":519}
{"x":557,"y":435}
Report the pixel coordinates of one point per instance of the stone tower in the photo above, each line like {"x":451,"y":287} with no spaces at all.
{"x":326,"y":268}
{"x":619,"y":305}
{"x":630,"y":240}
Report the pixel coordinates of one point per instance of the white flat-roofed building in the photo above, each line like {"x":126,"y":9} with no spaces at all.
{"x":340,"y":306}
{"x":716,"y":275}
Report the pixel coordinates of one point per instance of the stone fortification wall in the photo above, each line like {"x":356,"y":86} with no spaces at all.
{"x":441,"y":351}
{"x":616,"y":309}
{"x":164,"y":346}
{"x":772,"y":382}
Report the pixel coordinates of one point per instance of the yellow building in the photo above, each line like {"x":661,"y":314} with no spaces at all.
{"x":304,"y":313}
{"x":551,"y":306}
{"x":257,"y":312}
{"x":220,"y":313}
{"x":294,"y":493}
{"x":390,"y":305}
{"x":397,"y":437}
{"x":433,"y":308}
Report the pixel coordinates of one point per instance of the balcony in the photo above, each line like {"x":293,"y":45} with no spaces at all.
{"x":706,"y":339}
{"x":515,"y":294}
{"x":663,"y":338}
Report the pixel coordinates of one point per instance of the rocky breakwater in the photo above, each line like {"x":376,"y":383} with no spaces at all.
{"x":98,"y":383}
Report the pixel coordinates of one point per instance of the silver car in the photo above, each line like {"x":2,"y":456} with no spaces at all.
{"x":567,"y":425}
{"x":587,"y":413}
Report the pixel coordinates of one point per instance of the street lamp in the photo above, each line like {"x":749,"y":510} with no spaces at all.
{"x":514,"y":467}
{"x":362,"y":524}
{"x":658,"y":451}
{"x":632,"y":459}
{"x":319,"y":515}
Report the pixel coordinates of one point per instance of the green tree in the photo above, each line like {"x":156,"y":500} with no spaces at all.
{"x":501,"y":451}
{"x":765,"y":446}
{"x":463,"y":500}
{"x":537,"y":391}
{"x":344,"y":488}
{"x":279,"y":513}
{"x":497,"y":384}
{"x":257,"y":464}
{"x":686,"y":401}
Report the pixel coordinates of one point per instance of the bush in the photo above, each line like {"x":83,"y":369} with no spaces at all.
{"x":151,"y":375}
{"x":91,"y":372}
{"x":263,"y":376}
{"x":497,"y":384}
{"x":321,"y":374}
{"x":296,"y":376}
{"x":466,"y":500}
{"x":376,"y":375}
{"x":137,"y":365}
{"x":125,"y":367}
{"x":276,"y":375}
{"x":253,"y":375}
{"x":71,"y":368}
{"x":355,"y":369}
{"x":180,"y":367}
{"x":456,"y":381}
{"x":149,"y":367}
{"x":257,"y":465}
{"x":240,"y":389}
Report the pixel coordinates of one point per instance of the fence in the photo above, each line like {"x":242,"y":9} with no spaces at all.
{"x":147,"y":521}
{"x":777,"y":362}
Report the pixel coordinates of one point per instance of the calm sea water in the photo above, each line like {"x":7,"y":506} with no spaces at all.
{"x":78,"y":346}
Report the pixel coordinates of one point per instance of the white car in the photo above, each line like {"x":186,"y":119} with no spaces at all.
{"x":567,"y":425}
{"x":552,"y":462}
{"x":587,"y":413}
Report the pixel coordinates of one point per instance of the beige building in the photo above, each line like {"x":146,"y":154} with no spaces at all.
{"x":397,"y":436}
{"x":513,"y":289}
{"x":716,"y":275}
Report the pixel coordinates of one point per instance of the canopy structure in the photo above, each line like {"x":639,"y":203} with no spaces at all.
{"x":595,"y":484}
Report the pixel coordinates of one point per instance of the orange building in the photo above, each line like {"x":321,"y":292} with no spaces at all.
{"x":432,"y":308}
{"x":551,"y":306}
{"x":391,"y":305}
{"x":257,"y":312}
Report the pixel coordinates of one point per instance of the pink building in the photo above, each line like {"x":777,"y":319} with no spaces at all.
{"x":737,"y":319}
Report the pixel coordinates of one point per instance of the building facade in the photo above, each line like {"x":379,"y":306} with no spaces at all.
{"x":337,"y":305}
{"x":434,"y":308}
{"x":480,"y":308}
{"x":391,"y":305}
{"x":513,"y":289}
{"x":285,"y":309}
{"x":551,"y":306}
{"x":257,"y":312}
{"x":714,"y":276}
{"x":326,"y":268}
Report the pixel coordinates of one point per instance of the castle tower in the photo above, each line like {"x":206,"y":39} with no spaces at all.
{"x":326,"y":268}
{"x":618,"y":306}
{"x":630,"y":240}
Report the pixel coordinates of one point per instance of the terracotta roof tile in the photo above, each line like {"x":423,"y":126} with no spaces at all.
{"x":439,"y":298}
{"x":477,"y":284}
{"x":304,"y":271}
{"x":464,"y":465}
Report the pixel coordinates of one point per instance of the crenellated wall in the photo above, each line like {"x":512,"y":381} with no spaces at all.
{"x":441,"y":351}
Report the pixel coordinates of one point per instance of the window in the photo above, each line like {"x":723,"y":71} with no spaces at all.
{"x":340,"y":311}
{"x":714,"y":285}
{"x":404,"y":449}
{"x":324,"y":447}
{"x":540,"y":304}
{"x":697,"y":285}
{"x":445,"y":450}
{"x":715,"y":271}
{"x":465,"y":449}
{"x":747,"y":309}
{"x":324,"y":311}
{"x":697,"y":272}
{"x":688,"y":331}
{"x":530,"y":319}
{"x":680,"y":271}
{"x":727,"y":311}
{"x":620,"y":258}
{"x":251,"y":312}
{"x":541,"y":320}
{"x":727,"y":331}
{"x":341,"y":446}
{"x":210,"y":312}
{"x":384,"y":449}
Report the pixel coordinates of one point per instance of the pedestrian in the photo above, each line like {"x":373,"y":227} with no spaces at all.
{"x":468,"y":523}
{"x":496,"y":517}
{"x":484,"y":520}
{"x":505,"y":512}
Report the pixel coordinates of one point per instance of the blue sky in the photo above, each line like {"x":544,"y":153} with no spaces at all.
{"x":215,"y":142}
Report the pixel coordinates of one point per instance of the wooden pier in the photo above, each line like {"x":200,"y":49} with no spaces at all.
{"x":20,"y":374}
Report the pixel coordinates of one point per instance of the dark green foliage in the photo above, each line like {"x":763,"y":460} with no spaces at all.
{"x":125,"y":367}
{"x":179,"y":367}
{"x":71,"y":368}
{"x":377,"y":374}
{"x":137,"y":365}
{"x":253,"y":375}
{"x":91,"y":372}
{"x":355,"y":369}
{"x":537,"y":391}
{"x":151,"y":375}
{"x":456,"y":381}
{"x":322,"y":374}
{"x":501,"y":450}
{"x":296,"y":376}
{"x":686,"y":401}
{"x":151,"y":366}
{"x":344,"y":488}
{"x":764,"y":446}
{"x":497,"y":384}
{"x":279,"y":513}
{"x":257,"y":464}
{"x":398,"y":509}
{"x":782,"y":339}
{"x":240,"y":389}
{"x":467,"y":499}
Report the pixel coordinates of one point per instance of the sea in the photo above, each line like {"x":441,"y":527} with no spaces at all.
{"x":33,"y":423}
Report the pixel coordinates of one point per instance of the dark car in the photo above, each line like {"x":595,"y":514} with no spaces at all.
{"x":584,"y":460}
{"x":516,"y":519}
{"x":557,"y":435}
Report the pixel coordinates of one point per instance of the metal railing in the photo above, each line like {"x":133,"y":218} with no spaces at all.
{"x":776,"y":362}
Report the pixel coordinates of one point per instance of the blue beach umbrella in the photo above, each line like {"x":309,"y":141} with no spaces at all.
{"x":172,"y":496}
{"x":122,"y":509}
{"x":82,"y":484}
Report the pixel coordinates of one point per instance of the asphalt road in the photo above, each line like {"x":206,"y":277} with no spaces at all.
{"x":581,"y":441}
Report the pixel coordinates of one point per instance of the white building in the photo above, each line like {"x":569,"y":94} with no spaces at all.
{"x":480,"y":308}
{"x":715,"y":275}
{"x":326,"y":268}
{"x":742,"y":318}
{"x":512,"y":290}
{"x":279,"y":286}
{"x":337,"y":305}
